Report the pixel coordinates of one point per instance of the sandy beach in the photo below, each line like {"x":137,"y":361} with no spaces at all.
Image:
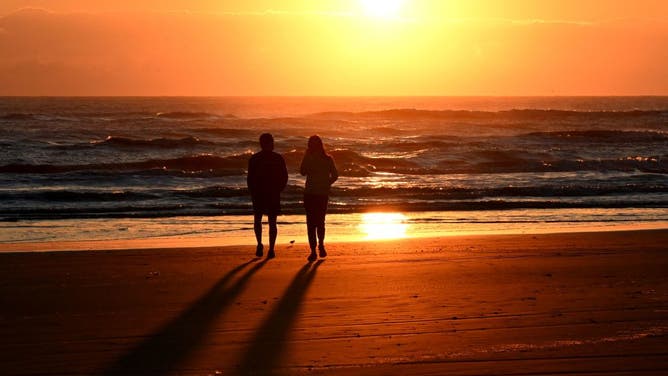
{"x":579,"y":303}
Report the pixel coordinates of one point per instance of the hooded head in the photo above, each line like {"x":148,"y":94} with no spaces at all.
{"x":267,"y":142}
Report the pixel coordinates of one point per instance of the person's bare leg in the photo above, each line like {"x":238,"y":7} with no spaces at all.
{"x":321,"y":239}
{"x":273,"y":233}
{"x":257,"y":227}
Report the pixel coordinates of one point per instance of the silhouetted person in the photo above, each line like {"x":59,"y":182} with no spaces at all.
{"x":267,"y":177}
{"x":321,"y":173}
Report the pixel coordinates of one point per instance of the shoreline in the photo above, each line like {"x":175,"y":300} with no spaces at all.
{"x":592,"y":303}
{"x":190,"y":243}
{"x":223,"y":231}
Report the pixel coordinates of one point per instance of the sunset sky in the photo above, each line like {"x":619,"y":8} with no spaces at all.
{"x":333,"y":47}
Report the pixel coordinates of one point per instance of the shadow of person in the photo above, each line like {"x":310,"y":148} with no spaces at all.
{"x":268,"y":345}
{"x":166,"y":349}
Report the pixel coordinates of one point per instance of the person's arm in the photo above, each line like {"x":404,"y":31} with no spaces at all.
{"x":284,"y":174}
{"x":251,"y":177}
{"x":333,"y":172}
{"x":302,"y":167}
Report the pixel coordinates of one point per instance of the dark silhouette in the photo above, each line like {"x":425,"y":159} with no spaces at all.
{"x":164,"y":351}
{"x":267,"y":346}
{"x":321,"y":173}
{"x":267,"y":177}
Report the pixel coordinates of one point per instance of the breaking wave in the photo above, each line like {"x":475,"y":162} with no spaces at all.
{"x":123,"y":142}
{"x":234,"y":164}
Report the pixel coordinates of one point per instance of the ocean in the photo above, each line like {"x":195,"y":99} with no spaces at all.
{"x":90,"y":169}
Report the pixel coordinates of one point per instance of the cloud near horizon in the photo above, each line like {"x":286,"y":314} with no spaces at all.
{"x":324,"y":53}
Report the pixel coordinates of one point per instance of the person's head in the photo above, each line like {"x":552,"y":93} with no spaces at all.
{"x":315,"y":145}
{"x":267,"y":142}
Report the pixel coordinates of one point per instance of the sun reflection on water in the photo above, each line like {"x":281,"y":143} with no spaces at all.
{"x":383,"y":226}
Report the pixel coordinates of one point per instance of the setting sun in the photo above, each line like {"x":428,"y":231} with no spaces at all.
{"x":384,"y":225}
{"x":382,"y":8}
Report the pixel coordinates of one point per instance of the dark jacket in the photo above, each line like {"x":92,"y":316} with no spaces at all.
{"x":267,"y":173}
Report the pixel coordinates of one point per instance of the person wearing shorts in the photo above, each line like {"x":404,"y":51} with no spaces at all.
{"x":267,"y":177}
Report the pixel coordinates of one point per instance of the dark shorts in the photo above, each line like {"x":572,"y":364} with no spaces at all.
{"x":316,"y":208}
{"x":267,"y":204}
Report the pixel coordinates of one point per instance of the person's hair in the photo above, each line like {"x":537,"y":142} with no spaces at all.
{"x":315,"y":145}
{"x":267,"y":141}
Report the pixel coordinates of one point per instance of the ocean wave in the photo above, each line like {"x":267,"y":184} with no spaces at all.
{"x":159,"y":210}
{"x":190,"y":115}
{"x":234,"y":164}
{"x":397,"y":114}
{"x":77,"y":196}
{"x":214,"y":192}
{"x":353,"y":196}
{"x":599,"y":136}
{"x":17,"y":116}
{"x":124,"y":142}
{"x":24,"y":116}
{"x":137,"y":144}
{"x":354,"y":164}
{"x":390,"y":131}
{"x":511,"y":163}
{"x":146,"y":211}
{"x":350,"y":163}
{"x":515,"y":114}
{"x":495,"y":204}
{"x":113,"y":116}
{"x":460,"y":193}
{"x":228,"y":132}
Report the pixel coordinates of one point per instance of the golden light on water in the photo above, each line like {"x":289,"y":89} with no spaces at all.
{"x":383,"y":226}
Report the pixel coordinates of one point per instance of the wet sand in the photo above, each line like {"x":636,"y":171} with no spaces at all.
{"x":578,"y":303}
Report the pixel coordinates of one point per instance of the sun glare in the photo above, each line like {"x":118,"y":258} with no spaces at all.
{"x":384,"y":225}
{"x":382,"y":8}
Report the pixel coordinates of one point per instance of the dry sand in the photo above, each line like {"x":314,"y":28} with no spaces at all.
{"x":581,"y":303}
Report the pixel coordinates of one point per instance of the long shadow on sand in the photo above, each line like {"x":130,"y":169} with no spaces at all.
{"x":166,"y":349}
{"x":267,"y":347}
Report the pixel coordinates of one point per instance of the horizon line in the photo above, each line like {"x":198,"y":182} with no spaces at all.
{"x":345,"y":96}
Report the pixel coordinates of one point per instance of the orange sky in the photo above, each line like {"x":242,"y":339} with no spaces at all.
{"x":331,"y":47}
